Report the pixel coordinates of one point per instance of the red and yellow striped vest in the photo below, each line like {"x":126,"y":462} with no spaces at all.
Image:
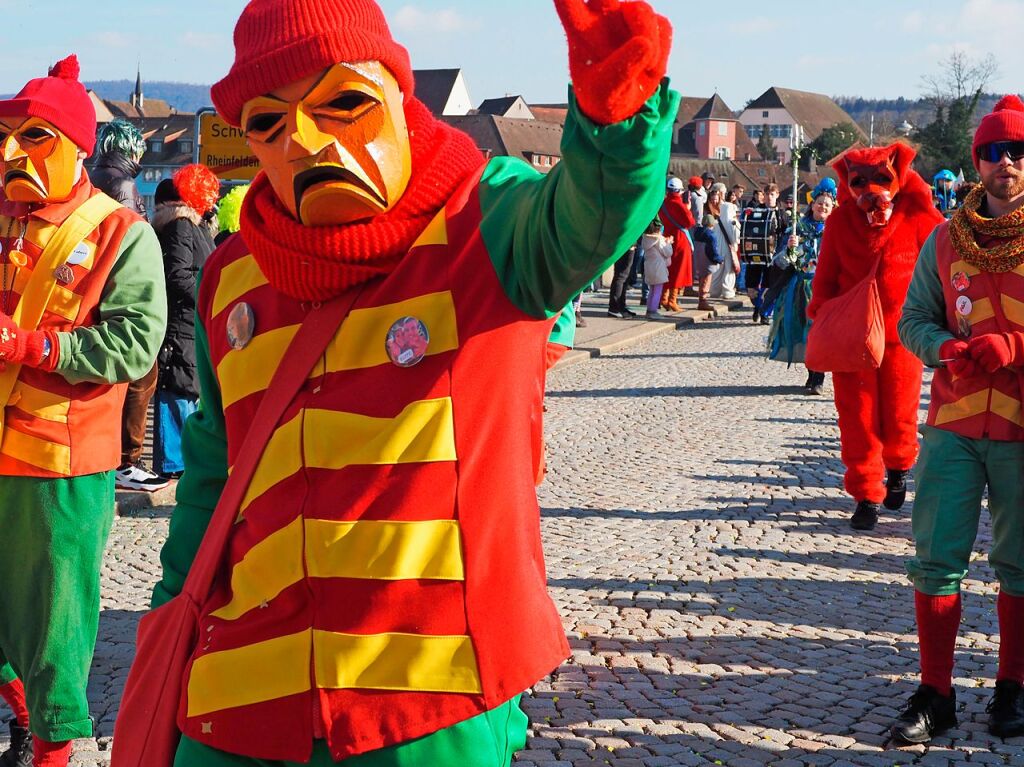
{"x":385,"y":578}
{"x":985,"y":405}
{"x":51,"y":427}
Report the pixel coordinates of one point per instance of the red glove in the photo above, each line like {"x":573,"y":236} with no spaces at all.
{"x":960,"y":363}
{"x":618,"y":54}
{"x":994,"y":351}
{"x":25,"y":347}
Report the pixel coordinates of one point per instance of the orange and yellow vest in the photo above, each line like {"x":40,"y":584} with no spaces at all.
{"x":52,"y":428}
{"x":385,"y":577}
{"x":985,"y":405}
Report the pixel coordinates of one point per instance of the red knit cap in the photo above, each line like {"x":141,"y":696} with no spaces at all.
{"x":1004,"y":123}
{"x":280,"y":41}
{"x":61,"y":100}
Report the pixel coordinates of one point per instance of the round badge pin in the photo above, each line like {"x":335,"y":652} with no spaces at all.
{"x":961,"y":282}
{"x":64,"y":274}
{"x":79,"y":254}
{"x":963,"y":326}
{"x":407,"y":342}
{"x":964,"y":306}
{"x":241,"y":326}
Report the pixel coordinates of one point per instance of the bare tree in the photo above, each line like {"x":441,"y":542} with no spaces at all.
{"x":961,"y":78}
{"x":954,"y":92}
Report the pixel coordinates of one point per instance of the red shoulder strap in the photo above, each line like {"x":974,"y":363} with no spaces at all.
{"x":316,"y":332}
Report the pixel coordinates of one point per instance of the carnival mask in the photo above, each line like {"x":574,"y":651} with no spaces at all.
{"x":38,"y":163}
{"x":335,"y":146}
{"x":873,"y":176}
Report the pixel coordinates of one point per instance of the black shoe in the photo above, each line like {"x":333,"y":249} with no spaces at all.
{"x":816,"y":389}
{"x":616,"y":315}
{"x":896,"y":485}
{"x":926,"y":715}
{"x":865,"y":517}
{"x":766,"y":320}
{"x":20,"y":752}
{"x":628,"y":313}
{"x":756,"y":317}
{"x":1006,"y":710}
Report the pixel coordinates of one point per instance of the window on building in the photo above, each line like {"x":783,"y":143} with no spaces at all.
{"x":764,"y":113}
{"x":780,"y":131}
{"x":703,"y":128}
{"x":722,"y":153}
{"x":723,"y":129}
{"x":754,"y":131}
{"x":186,"y":145}
{"x":761,"y":172}
{"x":156,"y":145}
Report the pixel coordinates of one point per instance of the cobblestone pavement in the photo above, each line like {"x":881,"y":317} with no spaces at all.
{"x":720,"y":610}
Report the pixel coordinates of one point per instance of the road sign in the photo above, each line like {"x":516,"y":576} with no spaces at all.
{"x":222,"y":148}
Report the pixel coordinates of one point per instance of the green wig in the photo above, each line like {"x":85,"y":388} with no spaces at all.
{"x":230,"y":209}
{"x":122,"y":137}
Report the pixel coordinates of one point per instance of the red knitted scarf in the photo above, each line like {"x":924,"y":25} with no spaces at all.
{"x":316,"y":263}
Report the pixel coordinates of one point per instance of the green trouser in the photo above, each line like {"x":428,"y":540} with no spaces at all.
{"x":54,"y":532}
{"x":487,"y":740}
{"x":951,"y":477}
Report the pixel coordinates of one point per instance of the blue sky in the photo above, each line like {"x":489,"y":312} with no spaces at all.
{"x":517,"y":46}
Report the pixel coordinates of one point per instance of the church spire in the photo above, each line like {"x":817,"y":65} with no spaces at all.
{"x":138,"y":99}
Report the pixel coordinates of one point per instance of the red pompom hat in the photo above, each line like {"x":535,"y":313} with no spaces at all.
{"x":1004,"y":123}
{"x":280,"y":41}
{"x":61,"y":100}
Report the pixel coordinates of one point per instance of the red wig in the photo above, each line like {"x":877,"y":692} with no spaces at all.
{"x":198,"y":188}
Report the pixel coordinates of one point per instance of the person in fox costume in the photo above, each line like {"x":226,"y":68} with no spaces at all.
{"x":885,"y":209}
{"x":412,"y":613}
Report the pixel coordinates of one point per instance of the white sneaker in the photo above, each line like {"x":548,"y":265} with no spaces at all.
{"x":137,"y":477}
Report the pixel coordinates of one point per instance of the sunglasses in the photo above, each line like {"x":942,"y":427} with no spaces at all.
{"x":994,"y":152}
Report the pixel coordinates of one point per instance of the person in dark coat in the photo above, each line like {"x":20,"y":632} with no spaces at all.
{"x":182,"y":219}
{"x":119,"y":148}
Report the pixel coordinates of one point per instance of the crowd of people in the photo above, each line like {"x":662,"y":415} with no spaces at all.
{"x":705,"y":244}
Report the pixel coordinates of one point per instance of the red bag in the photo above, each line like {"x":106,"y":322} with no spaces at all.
{"x":146,"y":732}
{"x":848,"y":334}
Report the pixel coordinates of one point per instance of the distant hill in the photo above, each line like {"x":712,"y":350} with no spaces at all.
{"x":889,"y":113}
{"x":185,"y":97}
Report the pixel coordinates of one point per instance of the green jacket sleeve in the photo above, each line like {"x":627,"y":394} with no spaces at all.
{"x":548,"y":236}
{"x":205,"y":449}
{"x":123,"y":345}
{"x":922,"y":326}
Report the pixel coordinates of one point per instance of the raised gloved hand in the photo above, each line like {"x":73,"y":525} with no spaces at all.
{"x":618,"y":54}
{"x":23,"y":347}
{"x":994,"y":351}
{"x":958,"y":360}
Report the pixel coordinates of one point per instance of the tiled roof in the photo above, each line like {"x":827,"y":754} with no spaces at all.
{"x":813,"y":111}
{"x":714,"y":109}
{"x":434,"y":87}
{"x":505,"y":136}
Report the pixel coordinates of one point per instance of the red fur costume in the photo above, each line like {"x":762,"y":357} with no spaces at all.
{"x":878,"y":409}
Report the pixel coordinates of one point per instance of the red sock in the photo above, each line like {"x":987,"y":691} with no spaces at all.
{"x":938,"y":621}
{"x":1011,"y":637}
{"x":46,"y":754}
{"x":14,"y":694}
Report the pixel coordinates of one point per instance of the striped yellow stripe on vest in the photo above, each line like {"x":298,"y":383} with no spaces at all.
{"x":965,"y":407}
{"x":50,"y":456}
{"x":359,"y":343}
{"x":374,"y":550}
{"x":40,"y":404}
{"x":280,"y":667}
{"x":236,"y":279}
{"x":424,"y":432}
